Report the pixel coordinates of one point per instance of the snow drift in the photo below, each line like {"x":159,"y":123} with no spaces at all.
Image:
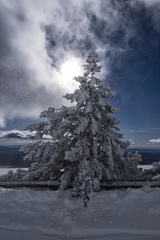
{"x":117,"y":214}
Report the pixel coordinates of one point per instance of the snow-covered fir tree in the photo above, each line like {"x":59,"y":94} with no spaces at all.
{"x":132,"y":162}
{"x":86,"y":146}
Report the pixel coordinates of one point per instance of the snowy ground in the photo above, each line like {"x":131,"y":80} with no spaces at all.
{"x":53,"y":215}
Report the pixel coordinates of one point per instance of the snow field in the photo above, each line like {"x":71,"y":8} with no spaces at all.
{"x":114,"y":215}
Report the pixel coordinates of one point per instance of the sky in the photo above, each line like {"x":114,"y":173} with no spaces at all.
{"x":43,"y":44}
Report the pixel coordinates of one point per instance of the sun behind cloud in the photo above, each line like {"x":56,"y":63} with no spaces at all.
{"x":69,"y":69}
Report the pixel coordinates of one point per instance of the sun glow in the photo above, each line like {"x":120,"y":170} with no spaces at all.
{"x":70,"y":69}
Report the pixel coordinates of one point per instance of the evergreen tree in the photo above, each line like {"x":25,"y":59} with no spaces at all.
{"x":131,"y":164}
{"x":86,"y":146}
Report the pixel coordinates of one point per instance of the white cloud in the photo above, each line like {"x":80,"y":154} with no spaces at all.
{"x":32,"y":80}
{"x":154,"y":12}
{"x":144,"y":130}
{"x":154,"y":141}
{"x":26,"y":23}
{"x":132,"y":141}
{"x":151,"y":2}
{"x":2,"y":121}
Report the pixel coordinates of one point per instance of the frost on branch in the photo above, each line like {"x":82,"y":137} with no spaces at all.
{"x":86,"y":147}
{"x":92,"y":66}
{"x":153,"y":172}
{"x":40,"y":128}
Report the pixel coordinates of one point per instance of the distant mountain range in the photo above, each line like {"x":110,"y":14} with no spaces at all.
{"x":17,"y":134}
{"x":20,"y":134}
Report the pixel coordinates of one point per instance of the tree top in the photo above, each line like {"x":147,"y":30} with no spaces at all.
{"x":92,"y":67}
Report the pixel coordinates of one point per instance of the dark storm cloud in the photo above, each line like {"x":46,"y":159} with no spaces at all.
{"x":36,"y":37}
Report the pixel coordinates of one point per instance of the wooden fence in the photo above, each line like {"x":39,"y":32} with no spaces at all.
{"x":53,"y":185}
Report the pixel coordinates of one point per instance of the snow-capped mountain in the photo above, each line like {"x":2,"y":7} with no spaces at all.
{"x":20,"y":134}
{"x":17,"y":134}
